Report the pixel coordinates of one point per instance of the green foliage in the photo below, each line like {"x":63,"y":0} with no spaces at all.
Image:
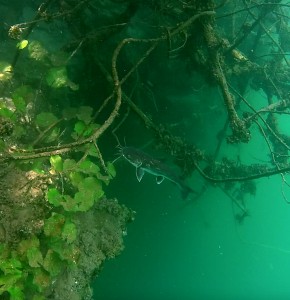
{"x":83,"y":130}
{"x":52,"y":263}
{"x":57,"y":77}
{"x":111,"y":169}
{"x":5,"y":71}
{"x":88,"y":167}
{"x":85,"y":176}
{"x":16,"y":293}
{"x":62,"y":233}
{"x":30,"y":259}
{"x":28,"y":251}
{"x":11,"y":274}
{"x":69,"y":232}
{"x":84,"y":114}
{"x":76,"y":178}
{"x":11,"y":266}
{"x":38,"y":260}
{"x":37,"y":51}
{"x":34,"y":257}
{"x":69,"y":165}
{"x":5,"y":112}
{"x":53,"y":225}
{"x":54,"y":197}
{"x":67,"y":253}
{"x":45,"y":119}
{"x":56,"y":163}
{"x":74,"y":183}
{"x":22,"y":44}
{"x":89,"y":191}
{"x":25,"y":245}
{"x":69,"y":113}
{"x":41,"y":279}
{"x":38,"y":297}
{"x":22,"y":96}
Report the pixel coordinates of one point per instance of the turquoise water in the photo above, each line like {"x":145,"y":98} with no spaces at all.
{"x":197,"y":249}
{"x":59,"y":66}
{"x":176,"y":250}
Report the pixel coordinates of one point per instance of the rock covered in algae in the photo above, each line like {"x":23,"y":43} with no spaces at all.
{"x":101,"y":232}
{"x":22,"y":204}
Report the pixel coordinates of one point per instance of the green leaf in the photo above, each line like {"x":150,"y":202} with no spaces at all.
{"x":4,"y":251}
{"x":19,"y":131}
{"x":92,"y":151}
{"x":69,"y":164}
{"x":69,"y":232}
{"x":54,"y":197}
{"x":5,"y":71}
{"x":90,"y":184}
{"x":90,"y":190}
{"x":22,"y":44}
{"x":52,"y":263}
{"x":111,"y":169}
{"x":25,"y":245}
{"x":53,"y":135}
{"x":69,"y":113}
{"x":16,"y":293}
{"x":45,"y":119}
{"x":69,"y":203}
{"x":73,"y":86}
{"x":56,"y":162}
{"x":11,"y":266}
{"x":6,"y":112}
{"x":37,"y":51}
{"x":88,"y":167}
{"x":3,"y":146}
{"x":8,"y":281}
{"x":19,"y":103}
{"x":41,"y":279}
{"x":84,"y":114}
{"x":76,"y":178}
{"x":59,"y":58}
{"x":38,"y":166}
{"x":69,"y":253}
{"x":35,"y":258}
{"x":91,"y":128}
{"x":24,"y":91}
{"x":79,"y":127}
{"x":53,"y":225}
{"x":22,"y":96}
{"x":38,"y":297}
{"x":57,"y":77}
{"x":85,"y":200}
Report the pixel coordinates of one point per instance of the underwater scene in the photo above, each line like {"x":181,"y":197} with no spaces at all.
{"x":144,"y":149}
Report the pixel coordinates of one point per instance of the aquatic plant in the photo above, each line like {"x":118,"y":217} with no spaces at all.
{"x":66,"y":88}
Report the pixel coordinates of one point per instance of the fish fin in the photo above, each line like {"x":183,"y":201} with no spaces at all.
{"x":159,"y":179}
{"x":139,"y":173}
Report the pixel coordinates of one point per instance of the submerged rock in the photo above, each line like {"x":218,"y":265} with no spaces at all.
{"x":101,"y":232}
